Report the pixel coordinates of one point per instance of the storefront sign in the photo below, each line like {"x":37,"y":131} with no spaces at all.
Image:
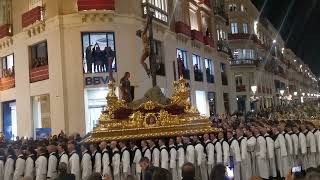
{"x":96,"y":80}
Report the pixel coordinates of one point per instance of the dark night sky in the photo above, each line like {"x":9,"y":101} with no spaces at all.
{"x":300,"y":30}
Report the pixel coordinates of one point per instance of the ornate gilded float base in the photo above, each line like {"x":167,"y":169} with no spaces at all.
{"x":150,"y":119}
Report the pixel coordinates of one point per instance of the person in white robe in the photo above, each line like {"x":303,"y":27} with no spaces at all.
{"x":295,"y":144}
{"x":282,"y":126}
{"x":19,"y":167}
{"x":209,"y":151}
{"x":164,"y":155}
{"x":316,"y":133}
{"x":145,"y":150}
{"x":280,"y":152}
{"x":173,"y":159}
{"x":29,"y":170}
{"x":74,"y":160}
{"x":52,"y":173}
{"x":96,"y":158}
{"x":225,"y":148}
{"x":302,"y":152}
{"x":245,"y":158}
{"x":262,"y":165}
{"x":200,"y":159}
{"x":125,"y":168}
{"x":63,"y":156}
{"x":9,"y":165}
{"x":218,"y":149}
{"x":86,"y":164}
{"x":106,"y":171}
{"x":180,"y":157}
{"x":41,"y":164}
{"x":155,"y":153}
{"x":115,"y":161}
{"x":270,"y":151}
{"x":235,"y":155}
{"x":251,"y":144}
{"x":311,"y":147}
{"x":2,"y":160}
{"x":189,"y":152}
{"x":136,"y":156}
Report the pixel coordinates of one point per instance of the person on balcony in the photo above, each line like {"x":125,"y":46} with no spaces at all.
{"x":97,"y":55}
{"x":89,"y":59}
{"x":109,"y":55}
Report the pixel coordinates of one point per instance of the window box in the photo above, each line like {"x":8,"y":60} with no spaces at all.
{"x":85,"y":5}
{"x":183,"y":28}
{"x":7,"y":83}
{"x":39,"y":73}
{"x":5,"y":30}
{"x":208,"y":41}
{"x":197,"y":35}
{"x":32,"y":16}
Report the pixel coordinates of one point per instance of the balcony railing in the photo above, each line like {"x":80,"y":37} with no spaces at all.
{"x":208,"y":41}
{"x":186,"y":74}
{"x":239,"y":62}
{"x":7,"y":83}
{"x":5,"y":30}
{"x":210,"y":78}
{"x":198,"y":75}
{"x":223,"y":47}
{"x":240,"y":88}
{"x":85,"y":5}
{"x":219,"y":11}
{"x":183,"y":28}
{"x":224,"y":79}
{"x":239,"y":36}
{"x":197,"y":35}
{"x":39,"y":70}
{"x":32,"y":16}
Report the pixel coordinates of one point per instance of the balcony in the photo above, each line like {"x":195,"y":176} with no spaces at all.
{"x":32,"y":16}
{"x":222,"y":46}
{"x":186,"y":74}
{"x":39,"y":70}
{"x":7,"y":82}
{"x":240,"y":88}
{"x":5,"y":30}
{"x":198,"y":75}
{"x":244,"y":62}
{"x":85,"y":5}
{"x":197,"y":35}
{"x":208,"y":41}
{"x":240,"y":36}
{"x":182,"y":28}
{"x":219,"y":11}
{"x":205,"y":3}
{"x":210,"y":77}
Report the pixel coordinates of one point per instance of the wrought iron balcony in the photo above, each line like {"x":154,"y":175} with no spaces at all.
{"x":197,"y":35}
{"x":222,"y":46}
{"x":32,"y":16}
{"x":183,"y":28}
{"x":219,"y":11}
{"x":245,"y":62}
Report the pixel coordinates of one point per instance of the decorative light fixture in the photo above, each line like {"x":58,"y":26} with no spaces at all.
{"x":274,"y":41}
{"x":308,"y":94}
{"x":254,"y":89}
{"x":294,"y":60}
{"x":303,"y":94}
{"x":295,"y":93}
{"x":281,"y":92}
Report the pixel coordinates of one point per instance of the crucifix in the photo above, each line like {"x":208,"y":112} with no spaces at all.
{"x":148,"y":49}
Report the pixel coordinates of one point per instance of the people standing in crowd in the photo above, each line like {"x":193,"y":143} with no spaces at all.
{"x":173,"y":159}
{"x":200,"y":159}
{"x":96,"y":158}
{"x":180,"y":156}
{"x":164,"y":155}
{"x":63,"y":156}
{"x":189,"y":150}
{"x":74,"y":160}
{"x":125,"y":162}
{"x":29,"y":170}
{"x":155,"y":153}
{"x":280,"y":152}
{"x":209,"y":152}
{"x":261,"y":155}
{"x":235,"y":155}
{"x":89,"y":59}
{"x":145,"y":149}
{"x":52,"y":162}
{"x":2,"y":160}
{"x":86,"y":163}
{"x":116,"y":161}
{"x":106,"y":171}
{"x":9,"y":165}
{"x":251,"y":144}
{"x":41,"y":164}
{"x":19,"y":165}
{"x":136,"y":155}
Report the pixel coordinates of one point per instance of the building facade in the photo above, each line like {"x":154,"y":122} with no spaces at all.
{"x":54,"y":75}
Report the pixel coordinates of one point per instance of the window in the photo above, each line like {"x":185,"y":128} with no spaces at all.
{"x":201,"y":102}
{"x":34,"y":3}
{"x":158,"y":50}
{"x":5,"y":12}
{"x":197,"y":67}
{"x":238,"y":80}
{"x":159,"y":7}
{"x":39,"y":54}
{"x":234,"y":28}
{"x":232,"y":7}
{"x":193,"y":19}
{"x":8,"y":66}
{"x":245,"y":28}
{"x":183,"y":66}
{"x":209,"y":70}
{"x":242,"y":8}
{"x":212,"y":103}
{"x":97,"y":48}
{"x":224,"y":77}
{"x":226,"y":102}
{"x":244,"y":54}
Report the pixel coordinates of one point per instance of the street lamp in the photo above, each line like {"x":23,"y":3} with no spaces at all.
{"x":303,"y":94}
{"x":281,"y":92}
{"x":308,"y":94}
{"x":295,"y":93}
{"x":254,"y":89}
{"x":274,"y":41}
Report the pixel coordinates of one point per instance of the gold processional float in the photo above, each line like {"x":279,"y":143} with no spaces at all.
{"x":153,"y":116}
